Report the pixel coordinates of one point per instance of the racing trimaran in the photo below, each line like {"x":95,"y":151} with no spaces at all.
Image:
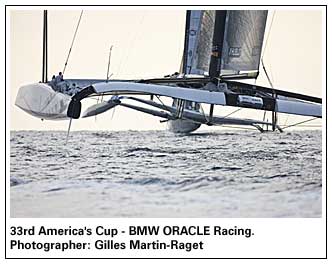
{"x":220,"y":47}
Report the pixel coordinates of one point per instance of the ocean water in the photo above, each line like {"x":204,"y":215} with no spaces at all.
{"x":161,"y":174}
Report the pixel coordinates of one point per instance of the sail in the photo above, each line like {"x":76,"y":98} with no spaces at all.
{"x":198,"y":41}
{"x":242,"y":32}
{"x":243,"y":40}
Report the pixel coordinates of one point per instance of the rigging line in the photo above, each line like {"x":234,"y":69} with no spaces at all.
{"x":232,"y":112}
{"x":202,"y":111}
{"x":267,"y":75}
{"x":109,"y":63}
{"x":131,"y":43}
{"x":166,"y":108}
{"x":101,"y":100}
{"x":72,"y":43}
{"x":268,"y":34}
{"x":304,"y":125}
{"x":113,"y":113}
{"x":286,"y":120}
{"x":264,"y":115}
{"x":227,"y":126}
{"x":262,"y":58}
{"x":305,"y":121}
{"x":97,"y":103}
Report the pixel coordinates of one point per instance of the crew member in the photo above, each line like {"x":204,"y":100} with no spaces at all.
{"x":59,"y":78}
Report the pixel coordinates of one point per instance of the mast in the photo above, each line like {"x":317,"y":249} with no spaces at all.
{"x":44,"y":65}
{"x":217,"y":43}
{"x":217,"y":46}
{"x":185,"y":49}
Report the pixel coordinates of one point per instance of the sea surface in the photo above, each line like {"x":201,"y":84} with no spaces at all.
{"x":161,"y":174}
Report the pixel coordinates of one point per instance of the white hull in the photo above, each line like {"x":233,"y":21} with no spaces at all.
{"x":41,"y":101}
{"x":182,"y":126}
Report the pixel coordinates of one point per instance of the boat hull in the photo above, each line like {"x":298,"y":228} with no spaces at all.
{"x":182,"y":126}
{"x":41,"y":101}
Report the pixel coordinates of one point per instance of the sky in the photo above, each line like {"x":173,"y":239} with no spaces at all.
{"x":146,"y":43}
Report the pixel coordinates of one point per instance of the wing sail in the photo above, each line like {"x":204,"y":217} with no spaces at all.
{"x":198,"y":41}
{"x":243,"y":40}
{"x":232,"y":38}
